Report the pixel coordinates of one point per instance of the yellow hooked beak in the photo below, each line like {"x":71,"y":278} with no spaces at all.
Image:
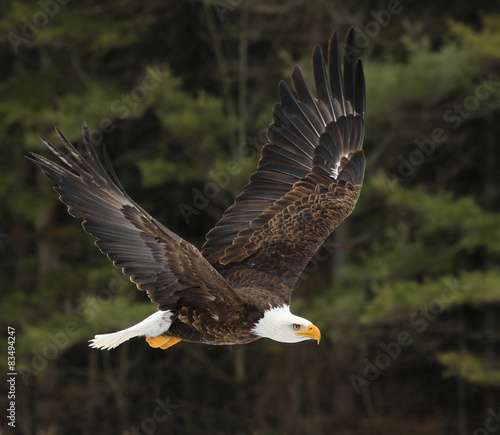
{"x":312,"y":332}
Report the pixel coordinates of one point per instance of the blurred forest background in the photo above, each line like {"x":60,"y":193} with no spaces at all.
{"x":406,"y":292}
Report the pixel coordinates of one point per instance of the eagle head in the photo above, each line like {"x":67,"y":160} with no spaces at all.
{"x":281,"y":325}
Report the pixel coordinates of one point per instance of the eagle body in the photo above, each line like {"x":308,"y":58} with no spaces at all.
{"x":238,"y":287}
{"x":200,"y":325}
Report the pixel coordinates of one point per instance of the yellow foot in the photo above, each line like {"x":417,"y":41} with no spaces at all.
{"x":163,"y":342}
{"x":170,"y":343}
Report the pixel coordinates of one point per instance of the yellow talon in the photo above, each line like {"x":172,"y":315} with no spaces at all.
{"x":162,"y":342}
{"x":171,"y":342}
{"x":157,"y":341}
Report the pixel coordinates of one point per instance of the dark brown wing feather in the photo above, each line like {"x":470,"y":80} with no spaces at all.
{"x":169,"y":269}
{"x":307,"y":182}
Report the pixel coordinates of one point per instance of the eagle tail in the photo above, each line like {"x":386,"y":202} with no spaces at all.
{"x":152,"y":326}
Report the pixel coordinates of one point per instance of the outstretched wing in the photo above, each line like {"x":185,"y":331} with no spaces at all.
{"x":308,"y":179}
{"x":172,"y":271}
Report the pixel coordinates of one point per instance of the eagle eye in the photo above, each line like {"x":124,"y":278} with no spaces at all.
{"x":296,"y":326}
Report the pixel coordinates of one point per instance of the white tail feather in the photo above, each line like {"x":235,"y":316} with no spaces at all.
{"x":152,"y":326}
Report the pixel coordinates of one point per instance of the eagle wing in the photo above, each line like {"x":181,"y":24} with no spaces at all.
{"x":308,"y":179}
{"x":172,"y":271}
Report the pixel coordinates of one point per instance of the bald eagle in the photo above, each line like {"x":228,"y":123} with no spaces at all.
{"x":238,"y":288}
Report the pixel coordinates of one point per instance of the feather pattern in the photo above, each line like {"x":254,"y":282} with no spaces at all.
{"x":313,"y":166}
{"x":168,"y":268}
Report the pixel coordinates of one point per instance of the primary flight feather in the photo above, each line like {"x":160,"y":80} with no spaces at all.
{"x":238,"y":288}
